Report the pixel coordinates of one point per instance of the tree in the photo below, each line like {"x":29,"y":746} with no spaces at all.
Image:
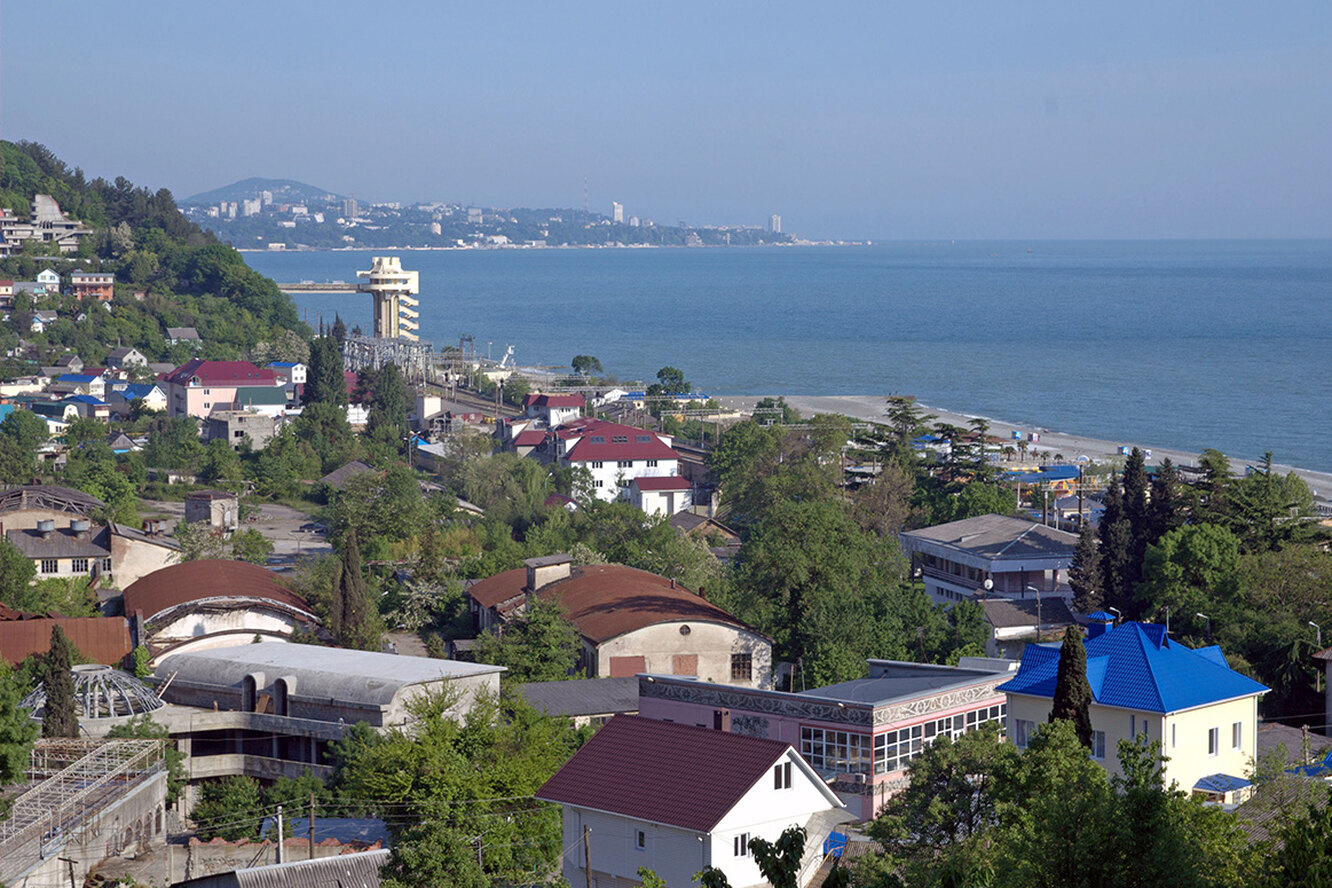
{"x":1303,"y":859}
{"x":540,"y":645}
{"x":251,"y":545}
{"x":434,"y":854}
{"x":229,"y":808}
{"x":325,"y":381}
{"x":1116,"y":544}
{"x":61,"y":719}
{"x":17,"y":730}
{"x":586,"y":365}
{"x":779,"y":861}
{"x":197,"y":541}
{"x":1165,"y":511}
{"x":16,"y":573}
{"x":1191,"y":568}
{"x":357,"y":622}
{"x":1136,"y":485}
{"x":1073,"y":695}
{"x":1084,"y":574}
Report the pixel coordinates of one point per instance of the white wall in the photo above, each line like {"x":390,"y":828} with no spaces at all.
{"x":713,"y":643}
{"x":674,"y":854}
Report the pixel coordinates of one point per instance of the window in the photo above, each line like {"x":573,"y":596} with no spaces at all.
{"x":106,"y":565}
{"x":652,"y":464}
{"x":1237,"y":735}
{"x":742,"y":667}
{"x":624,"y":464}
{"x":1023,"y":731}
{"x":50,"y":566}
{"x":640,"y":840}
{"x":79,"y":565}
{"x":1213,"y":741}
{"x":598,"y":483}
{"x":596,"y":463}
{"x":781,"y":776}
{"x":840,"y":751}
{"x":1172,"y":736}
{"x":894,"y":749}
{"x":598,"y":439}
{"x":741,"y":845}
{"x":619,"y":439}
{"x":1098,"y":745}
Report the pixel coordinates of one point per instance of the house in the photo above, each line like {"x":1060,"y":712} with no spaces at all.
{"x":80,"y":548}
{"x":99,"y":285}
{"x":58,"y":415}
{"x":123,"y":357}
{"x":49,"y":279}
{"x":213,"y":603}
{"x":613,"y":454}
{"x":89,"y":407}
{"x":656,"y":495}
{"x":630,"y":621}
{"x":586,"y":701}
{"x":187,"y":335}
{"x":338,"y":478}
{"x":1016,"y":621}
{"x":293,"y":373}
{"x":860,"y":735}
{"x":238,"y":426}
{"x":1020,"y":558}
{"x":79,"y":384}
{"x":119,"y":442}
{"x":676,"y":798}
{"x":70,"y":363}
{"x":553,"y":410}
{"x":122,"y":395}
{"x":198,"y":387}
{"x":723,"y":542}
{"x":1144,"y":685}
{"x":41,"y":320}
{"x":219,"y":509}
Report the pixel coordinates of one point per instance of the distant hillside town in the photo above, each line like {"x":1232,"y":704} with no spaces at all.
{"x":282,"y":214}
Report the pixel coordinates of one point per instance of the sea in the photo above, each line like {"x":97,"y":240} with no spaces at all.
{"x":1176,"y":344}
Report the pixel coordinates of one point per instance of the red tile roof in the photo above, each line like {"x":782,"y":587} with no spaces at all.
{"x":662,"y":482}
{"x":663,"y":772}
{"x":208,"y":578}
{"x":103,"y":640}
{"x":596,"y":439}
{"x":220,"y":373}
{"x":607,"y":600}
{"x":529,"y":438}
{"x":543,"y":400}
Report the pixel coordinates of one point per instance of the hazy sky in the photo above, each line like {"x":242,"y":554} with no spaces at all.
{"x":881,"y":120}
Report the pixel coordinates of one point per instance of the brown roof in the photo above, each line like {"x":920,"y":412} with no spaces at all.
{"x":607,"y":600}
{"x":1013,"y":613}
{"x":48,"y":496}
{"x":207,"y":578}
{"x":663,"y":772}
{"x":103,"y":640}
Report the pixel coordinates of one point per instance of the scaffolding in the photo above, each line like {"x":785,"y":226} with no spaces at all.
{"x":74,"y":781}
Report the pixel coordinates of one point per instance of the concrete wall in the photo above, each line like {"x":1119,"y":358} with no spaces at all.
{"x":210,"y":858}
{"x":674,"y":854}
{"x":712,"y":643}
{"x":132,"y":560}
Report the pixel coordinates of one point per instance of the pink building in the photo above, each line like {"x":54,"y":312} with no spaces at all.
{"x":199,"y":387}
{"x":859,"y":735}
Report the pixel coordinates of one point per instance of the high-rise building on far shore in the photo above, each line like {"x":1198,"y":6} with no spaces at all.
{"x":617,"y":213}
{"x":775,"y":224}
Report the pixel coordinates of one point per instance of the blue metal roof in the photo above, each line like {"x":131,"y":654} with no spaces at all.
{"x":1041,"y":476}
{"x":1135,"y":666}
{"x":135,"y":390}
{"x":1101,"y":617}
{"x":1222,"y":783}
{"x":77,"y":378}
{"x":86,"y":399}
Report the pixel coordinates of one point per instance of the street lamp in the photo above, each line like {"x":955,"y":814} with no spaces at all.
{"x":988,"y":585}
{"x":1209,"y":625}
{"x":1038,"y":612}
{"x":1118,"y":615}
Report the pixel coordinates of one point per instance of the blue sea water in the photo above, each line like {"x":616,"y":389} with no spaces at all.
{"x":1183,"y":344}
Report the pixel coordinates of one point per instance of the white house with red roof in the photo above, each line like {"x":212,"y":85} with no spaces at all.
{"x":614,"y":454}
{"x":554,"y":410}
{"x":661,"y":495}
{"x":199,"y":387}
{"x":676,"y":798}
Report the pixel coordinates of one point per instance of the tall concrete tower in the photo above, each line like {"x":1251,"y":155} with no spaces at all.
{"x":392,"y":289}
{"x":617,"y":212}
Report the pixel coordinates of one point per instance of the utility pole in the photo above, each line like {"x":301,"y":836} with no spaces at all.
{"x":312,"y":826}
{"x":279,"y":835}
{"x":587,"y":853}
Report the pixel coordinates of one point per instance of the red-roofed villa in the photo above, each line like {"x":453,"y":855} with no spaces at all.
{"x":199,"y":387}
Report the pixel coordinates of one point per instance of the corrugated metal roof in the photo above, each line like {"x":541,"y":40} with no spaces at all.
{"x":359,"y":870}
{"x":207,"y":578}
{"x":584,"y":696}
{"x":103,"y":640}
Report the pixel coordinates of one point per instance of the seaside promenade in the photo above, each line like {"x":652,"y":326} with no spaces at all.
{"x":866,"y":407}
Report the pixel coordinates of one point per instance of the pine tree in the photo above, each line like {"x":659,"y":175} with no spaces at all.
{"x":339,"y":329}
{"x":325,"y":383}
{"x":1073,"y":696}
{"x":1116,"y":540}
{"x":61,"y":719}
{"x":1084,"y":575}
{"x":1136,"y":485}
{"x":1165,"y":512}
{"x":17,"y":730}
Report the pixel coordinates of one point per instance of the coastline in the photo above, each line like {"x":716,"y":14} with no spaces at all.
{"x":1069,"y":444}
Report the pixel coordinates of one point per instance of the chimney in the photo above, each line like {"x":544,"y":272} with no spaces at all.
{"x":1098,"y":624}
{"x":541,"y":572}
{"x":79,"y":527}
{"x":721,"y":720}
{"x":702,"y":593}
{"x":46,"y":527}
{"x":672,"y":582}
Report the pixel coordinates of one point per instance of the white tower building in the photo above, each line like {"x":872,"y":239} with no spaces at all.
{"x":392,"y":289}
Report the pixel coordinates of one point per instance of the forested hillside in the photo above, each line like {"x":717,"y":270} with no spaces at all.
{"x":185,"y":276}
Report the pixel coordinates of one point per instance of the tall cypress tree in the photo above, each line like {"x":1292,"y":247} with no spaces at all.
{"x":1084,"y":574}
{"x":325,"y":383}
{"x":1073,"y":696}
{"x":1165,"y":512}
{"x":60,"y":720}
{"x":1116,"y":543}
{"x":1136,"y":484}
{"x":359,"y":624}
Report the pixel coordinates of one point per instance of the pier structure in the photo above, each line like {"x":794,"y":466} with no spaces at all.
{"x":393,"y":290}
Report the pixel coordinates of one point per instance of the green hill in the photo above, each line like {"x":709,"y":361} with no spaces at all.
{"x":283,"y":191}
{"x":169,"y":273}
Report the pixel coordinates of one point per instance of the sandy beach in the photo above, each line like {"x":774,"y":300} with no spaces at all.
{"x":1071,"y":446}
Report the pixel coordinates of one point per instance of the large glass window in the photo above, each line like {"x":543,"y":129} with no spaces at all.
{"x":840,"y":751}
{"x":893,"y":749}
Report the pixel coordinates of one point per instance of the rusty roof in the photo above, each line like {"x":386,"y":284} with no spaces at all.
{"x":663,"y":772}
{"x":98,"y":639}
{"x":607,"y":600}
{"x":208,"y":578}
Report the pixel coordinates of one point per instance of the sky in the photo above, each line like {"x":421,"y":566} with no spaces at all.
{"x":851,"y":120}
